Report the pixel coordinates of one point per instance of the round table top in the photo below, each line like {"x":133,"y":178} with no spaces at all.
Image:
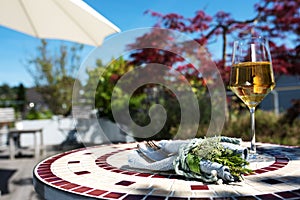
{"x":102,"y":172}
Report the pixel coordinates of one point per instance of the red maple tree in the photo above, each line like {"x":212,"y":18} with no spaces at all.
{"x":278,"y":20}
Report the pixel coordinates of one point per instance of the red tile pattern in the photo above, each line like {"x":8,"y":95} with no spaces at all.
{"x":82,"y":189}
{"x":269,"y":196}
{"x":74,"y":162}
{"x":97,"y":192}
{"x":125,"y":183}
{"x":134,"y":197}
{"x":44,"y":173}
{"x":61,"y":183}
{"x":199,"y":187}
{"x":287,"y":195}
{"x":82,"y":172}
{"x":114,"y":195}
{"x":69,"y":186}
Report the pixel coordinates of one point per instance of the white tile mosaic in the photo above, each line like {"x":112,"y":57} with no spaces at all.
{"x":103,"y":172}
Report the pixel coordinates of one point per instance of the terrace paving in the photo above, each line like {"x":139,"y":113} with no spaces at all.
{"x":16,"y":175}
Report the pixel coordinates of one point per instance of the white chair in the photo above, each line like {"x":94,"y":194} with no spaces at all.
{"x":7,"y":119}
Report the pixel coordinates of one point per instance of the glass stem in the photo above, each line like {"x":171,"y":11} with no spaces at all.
{"x":252,"y":116}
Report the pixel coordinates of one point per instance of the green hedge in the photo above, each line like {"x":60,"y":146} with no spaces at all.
{"x":269,"y":128}
{"x":34,"y":114}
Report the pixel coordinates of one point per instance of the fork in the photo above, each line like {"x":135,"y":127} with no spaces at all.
{"x":143,"y":155}
{"x":157,"y":148}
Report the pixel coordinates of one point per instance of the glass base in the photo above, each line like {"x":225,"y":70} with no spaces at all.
{"x":252,"y":156}
{"x":258,"y":160}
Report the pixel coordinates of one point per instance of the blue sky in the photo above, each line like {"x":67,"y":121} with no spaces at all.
{"x":16,"y":47}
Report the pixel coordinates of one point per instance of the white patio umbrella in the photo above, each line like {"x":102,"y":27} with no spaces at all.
{"x":71,"y":20}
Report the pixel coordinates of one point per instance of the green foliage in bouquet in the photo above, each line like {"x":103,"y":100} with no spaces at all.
{"x":211,"y":149}
{"x":193,"y":163}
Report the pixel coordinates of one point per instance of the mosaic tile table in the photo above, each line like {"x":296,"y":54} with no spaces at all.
{"x":102,"y":172}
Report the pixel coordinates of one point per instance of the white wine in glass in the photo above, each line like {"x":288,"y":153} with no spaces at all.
{"x":251,"y":77}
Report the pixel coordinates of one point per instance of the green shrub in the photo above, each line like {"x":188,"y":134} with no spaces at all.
{"x":34,"y":114}
{"x":145,"y":96}
{"x":269,"y":128}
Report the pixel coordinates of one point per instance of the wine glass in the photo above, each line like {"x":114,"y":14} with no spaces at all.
{"x":251,"y":77}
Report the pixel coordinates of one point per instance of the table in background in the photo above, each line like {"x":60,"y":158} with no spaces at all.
{"x":102,"y":172}
{"x":38,"y":148}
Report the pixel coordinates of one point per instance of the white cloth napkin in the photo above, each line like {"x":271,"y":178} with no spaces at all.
{"x":162,"y":163}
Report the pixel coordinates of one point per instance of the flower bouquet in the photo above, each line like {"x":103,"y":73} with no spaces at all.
{"x":214,"y":159}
